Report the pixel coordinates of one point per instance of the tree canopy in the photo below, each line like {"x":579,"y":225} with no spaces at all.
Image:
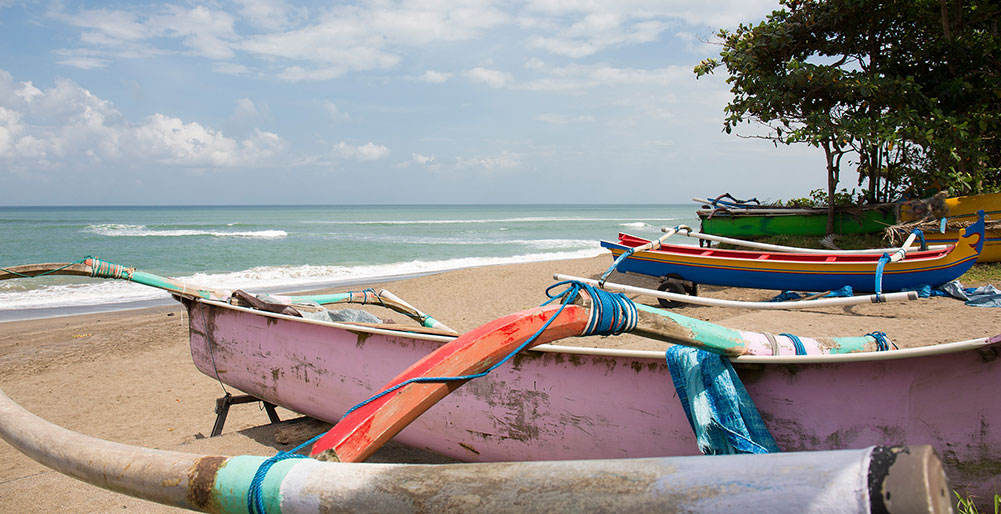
{"x":908,"y":90}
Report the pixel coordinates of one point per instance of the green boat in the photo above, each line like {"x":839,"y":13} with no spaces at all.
{"x":743,"y":220}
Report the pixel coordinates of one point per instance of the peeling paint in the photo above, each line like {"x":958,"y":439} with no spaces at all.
{"x":201,"y":481}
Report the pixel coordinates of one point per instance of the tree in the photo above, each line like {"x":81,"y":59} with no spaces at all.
{"x":883,"y":81}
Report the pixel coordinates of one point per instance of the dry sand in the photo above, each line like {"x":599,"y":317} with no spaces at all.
{"x":127,"y":376}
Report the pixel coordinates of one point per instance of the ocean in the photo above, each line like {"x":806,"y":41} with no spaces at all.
{"x":293,"y":248}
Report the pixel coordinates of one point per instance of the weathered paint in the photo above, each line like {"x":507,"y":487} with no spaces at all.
{"x":712,"y":337}
{"x":233,"y":479}
{"x":731,"y":342}
{"x":906,"y":479}
{"x":367,"y":428}
{"x":600,"y":406}
{"x":852,"y":344}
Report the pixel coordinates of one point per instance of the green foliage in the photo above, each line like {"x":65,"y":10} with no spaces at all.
{"x":908,"y":88}
{"x":818,"y":198}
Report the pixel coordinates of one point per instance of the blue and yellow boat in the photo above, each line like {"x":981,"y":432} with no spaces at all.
{"x":802,"y":271}
{"x":958,"y":212}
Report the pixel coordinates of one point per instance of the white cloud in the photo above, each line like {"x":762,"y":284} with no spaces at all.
{"x":427,"y":161}
{"x":67,"y":123}
{"x":28,"y":92}
{"x":492,"y":78}
{"x":714,"y":13}
{"x":598,"y":31}
{"x":84,"y":63}
{"x":367,"y":152}
{"x":562,"y":119}
{"x":489,"y":164}
{"x":209,"y":33}
{"x":269,"y":14}
{"x":435,"y":77}
{"x":333,"y":111}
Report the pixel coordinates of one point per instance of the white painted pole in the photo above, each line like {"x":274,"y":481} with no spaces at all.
{"x":715,"y":302}
{"x":794,"y":249}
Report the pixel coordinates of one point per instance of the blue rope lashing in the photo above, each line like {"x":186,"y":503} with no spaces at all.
{"x":921,"y":237}
{"x":797,"y":343}
{"x":611,"y":314}
{"x":624,"y":256}
{"x":883,"y":343}
{"x":255,"y":495}
{"x":885,"y":258}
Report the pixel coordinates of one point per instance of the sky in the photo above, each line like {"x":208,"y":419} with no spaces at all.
{"x":376,"y":102}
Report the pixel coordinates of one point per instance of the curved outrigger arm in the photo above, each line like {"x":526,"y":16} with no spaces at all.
{"x":97,"y":268}
{"x":220,"y":484}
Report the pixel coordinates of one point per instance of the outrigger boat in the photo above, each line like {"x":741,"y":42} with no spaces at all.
{"x":957,"y":212}
{"x":728,"y":216}
{"x":564,"y":403}
{"x":867,"y":272}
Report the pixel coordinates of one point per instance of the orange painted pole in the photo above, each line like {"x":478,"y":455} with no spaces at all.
{"x":367,"y":428}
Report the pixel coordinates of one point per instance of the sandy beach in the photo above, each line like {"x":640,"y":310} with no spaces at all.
{"x":127,"y":376}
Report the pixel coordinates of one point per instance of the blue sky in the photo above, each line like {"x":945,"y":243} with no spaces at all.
{"x":262,"y":101}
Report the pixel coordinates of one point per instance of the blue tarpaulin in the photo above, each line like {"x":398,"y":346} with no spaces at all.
{"x":720,"y":411}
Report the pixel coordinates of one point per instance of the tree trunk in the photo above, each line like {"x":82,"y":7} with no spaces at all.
{"x":833,"y":164}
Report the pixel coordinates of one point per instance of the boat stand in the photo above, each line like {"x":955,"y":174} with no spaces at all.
{"x":222,"y":410}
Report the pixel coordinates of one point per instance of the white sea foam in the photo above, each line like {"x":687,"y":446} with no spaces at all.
{"x":287,"y":278}
{"x":532,"y":219}
{"x":119,"y":230}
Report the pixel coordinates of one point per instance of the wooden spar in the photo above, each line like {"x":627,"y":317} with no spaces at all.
{"x":416,"y":313}
{"x":793,"y":249}
{"x":699,"y":300}
{"x":907,"y":478}
{"x":96,"y":268}
{"x":367,"y":428}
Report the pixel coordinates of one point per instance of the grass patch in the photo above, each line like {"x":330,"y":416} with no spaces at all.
{"x":965,"y":505}
{"x":982,"y":274}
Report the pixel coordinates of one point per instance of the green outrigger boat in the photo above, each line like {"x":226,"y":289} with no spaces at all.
{"x":743,"y":219}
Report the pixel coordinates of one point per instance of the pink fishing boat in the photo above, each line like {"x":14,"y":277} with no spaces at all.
{"x":557,"y":402}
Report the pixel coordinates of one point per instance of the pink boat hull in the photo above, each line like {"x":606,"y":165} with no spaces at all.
{"x":556,"y":406}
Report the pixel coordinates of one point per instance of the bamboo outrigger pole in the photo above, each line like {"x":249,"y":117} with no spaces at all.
{"x":715,"y":302}
{"x":96,"y":268}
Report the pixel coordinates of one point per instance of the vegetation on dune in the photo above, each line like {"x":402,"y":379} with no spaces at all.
{"x":906,"y":91}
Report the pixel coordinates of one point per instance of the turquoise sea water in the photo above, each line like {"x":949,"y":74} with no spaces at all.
{"x":288,"y":248}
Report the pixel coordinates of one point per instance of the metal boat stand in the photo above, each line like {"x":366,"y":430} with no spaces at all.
{"x":222,"y":410}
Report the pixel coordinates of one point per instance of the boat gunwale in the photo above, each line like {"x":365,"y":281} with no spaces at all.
{"x":905,"y":353}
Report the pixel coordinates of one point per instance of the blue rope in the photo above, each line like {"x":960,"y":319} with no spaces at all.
{"x":921,"y":237}
{"x":625,"y":255}
{"x":879,"y":274}
{"x":611,"y":314}
{"x":882,"y":342}
{"x":797,"y":343}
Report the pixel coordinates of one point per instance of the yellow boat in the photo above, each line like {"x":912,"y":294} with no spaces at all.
{"x":959,"y":212}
